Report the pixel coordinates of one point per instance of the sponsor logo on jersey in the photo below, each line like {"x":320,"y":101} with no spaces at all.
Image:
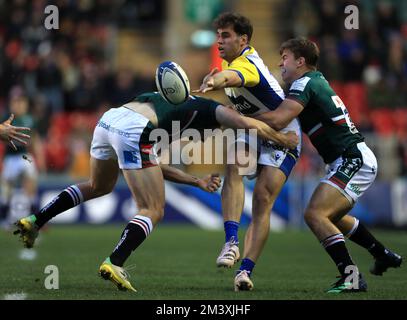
{"x":355,"y":188}
{"x":350,"y":167}
{"x":130,"y":157}
{"x":268,"y":145}
{"x":243,"y":106}
{"x":108,"y":127}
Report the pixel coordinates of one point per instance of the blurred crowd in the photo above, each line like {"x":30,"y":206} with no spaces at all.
{"x":367,"y":66}
{"x":69,"y":75}
{"x":71,"y":69}
{"x":374,"y":54}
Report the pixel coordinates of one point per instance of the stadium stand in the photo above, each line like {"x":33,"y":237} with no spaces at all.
{"x":105,"y":52}
{"x":366,"y":67}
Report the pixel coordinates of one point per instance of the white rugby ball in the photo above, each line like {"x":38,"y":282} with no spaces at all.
{"x":172,"y":82}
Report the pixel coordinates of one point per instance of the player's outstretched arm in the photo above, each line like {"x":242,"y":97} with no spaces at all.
{"x":9,"y":133}
{"x":210,"y":183}
{"x":282,"y":115}
{"x":232,"y":119}
{"x":218,"y":80}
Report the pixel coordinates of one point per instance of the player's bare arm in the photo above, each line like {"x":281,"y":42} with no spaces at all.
{"x":279,"y":118}
{"x":233,"y":119}
{"x":9,"y":133}
{"x":218,"y":80}
{"x":209,"y":183}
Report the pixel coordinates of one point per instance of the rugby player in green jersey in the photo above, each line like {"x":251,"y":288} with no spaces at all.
{"x":351,"y":165}
{"x":17,"y":172}
{"x":122,"y":140}
{"x":11,"y":134}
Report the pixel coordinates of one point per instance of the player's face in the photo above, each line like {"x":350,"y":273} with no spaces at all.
{"x":230,"y":44}
{"x":288,"y":66}
{"x":19,"y":106}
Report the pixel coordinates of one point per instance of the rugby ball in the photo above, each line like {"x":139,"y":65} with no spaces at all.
{"x":172,"y":82}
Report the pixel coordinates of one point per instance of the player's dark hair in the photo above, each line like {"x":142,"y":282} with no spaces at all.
{"x":302,"y":47}
{"x":241,"y":25}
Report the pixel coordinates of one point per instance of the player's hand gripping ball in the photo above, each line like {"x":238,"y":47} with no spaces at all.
{"x":172,"y":82}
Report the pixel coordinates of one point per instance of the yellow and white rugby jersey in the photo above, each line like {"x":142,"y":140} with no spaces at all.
{"x":260,"y":91}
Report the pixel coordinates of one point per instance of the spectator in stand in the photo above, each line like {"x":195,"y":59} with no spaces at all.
{"x":352,"y":55}
{"x":387,"y":18}
{"x":329,"y":17}
{"x":402,"y":149}
{"x":125,"y":85}
{"x":88,"y":95}
{"x":121,"y":86}
{"x":374,"y":56}
{"x":49,"y":80}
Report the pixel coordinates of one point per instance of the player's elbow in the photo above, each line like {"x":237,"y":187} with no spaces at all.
{"x":278,"y":125}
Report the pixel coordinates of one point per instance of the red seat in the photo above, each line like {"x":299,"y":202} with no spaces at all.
{"x":355,"y":99}
{"x":383,"y":121}
{"x":57,"y":153}
{"x":57,"y":148}
{"x":400,"y":121}
{"x":338,"y":88}
{"x":83,"y":120}
{"x":60,"y":122}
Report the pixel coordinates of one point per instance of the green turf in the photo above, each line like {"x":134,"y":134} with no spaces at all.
{"x":178,"y":262}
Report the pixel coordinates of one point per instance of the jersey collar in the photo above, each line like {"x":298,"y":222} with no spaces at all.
{"x":244,"y":50}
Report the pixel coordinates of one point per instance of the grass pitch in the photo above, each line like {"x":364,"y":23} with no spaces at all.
{"x":178,"y":262}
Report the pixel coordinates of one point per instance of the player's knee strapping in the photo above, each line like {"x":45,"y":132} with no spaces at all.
{"x":354,"y":228}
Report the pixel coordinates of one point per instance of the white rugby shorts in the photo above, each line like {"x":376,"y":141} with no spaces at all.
{"x":123,"y":134}
{"x":352,"y":176}
{"x":15,"y":166}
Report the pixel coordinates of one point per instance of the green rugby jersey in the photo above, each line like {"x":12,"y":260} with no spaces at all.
{"x":196,"y":112}
{"x":325,"y":118}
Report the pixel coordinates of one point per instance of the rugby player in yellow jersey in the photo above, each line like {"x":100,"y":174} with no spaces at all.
{"x":253,"y":91}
